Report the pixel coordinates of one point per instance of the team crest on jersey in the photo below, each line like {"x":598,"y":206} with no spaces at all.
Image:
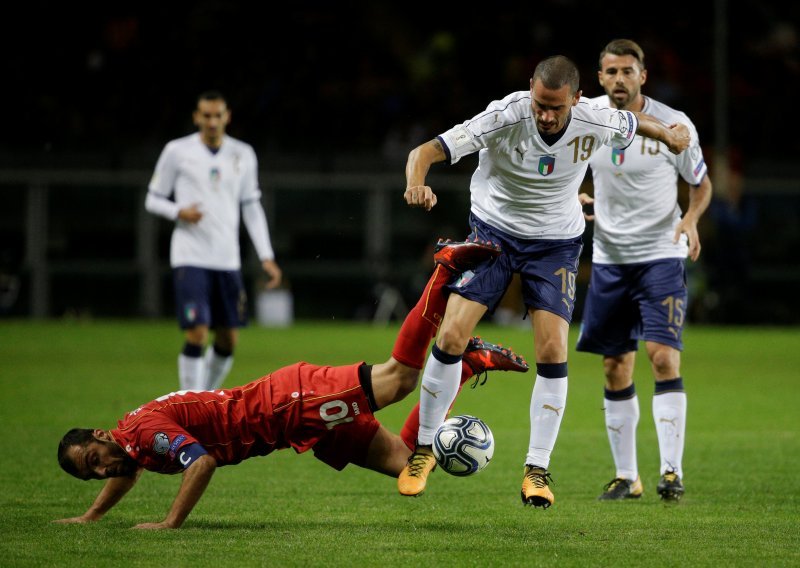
{"x":160,"y":443}
{"x":215,"y":176}
{"x":617,"y":156}
{"x":546,"y":165}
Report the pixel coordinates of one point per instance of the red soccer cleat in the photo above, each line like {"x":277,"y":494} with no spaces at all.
{"x":482,"y":356}
{"x":458,"y":256}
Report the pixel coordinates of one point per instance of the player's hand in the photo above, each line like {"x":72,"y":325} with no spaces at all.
{"x":679,"y":139}
{"x":586,"y":199}
{"x":420,"y":196}
{"x":191,"y":214}
{"x":154,"y":526}
{"x":689,"y":227}
{"x":275,"y":273}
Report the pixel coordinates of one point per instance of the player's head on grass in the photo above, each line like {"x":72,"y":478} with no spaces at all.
{"x":93,"y":454}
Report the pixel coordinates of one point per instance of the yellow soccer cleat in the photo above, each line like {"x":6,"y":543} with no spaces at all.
{"x":412,"y":480}
{"x":535,"y":487}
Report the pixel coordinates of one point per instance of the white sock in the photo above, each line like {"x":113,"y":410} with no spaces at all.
{"x":669,"y":413}
{"x":440,"y":382}
{"x":217,"y":368}
{"x":622,"y":417}
{"x":191,"y":372}
{"x":548,"y":401}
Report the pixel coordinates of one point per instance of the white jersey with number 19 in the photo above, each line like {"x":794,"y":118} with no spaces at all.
{"x":523,"y":185}
{"x":636,"y":193}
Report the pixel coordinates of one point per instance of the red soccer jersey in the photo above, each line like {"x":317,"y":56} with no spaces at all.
{"x":295,"y":406}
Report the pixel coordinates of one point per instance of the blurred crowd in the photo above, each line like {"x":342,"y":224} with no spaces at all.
{"x":341,"y":85}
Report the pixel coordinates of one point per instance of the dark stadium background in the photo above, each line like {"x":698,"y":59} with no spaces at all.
{"x":333,"y":96}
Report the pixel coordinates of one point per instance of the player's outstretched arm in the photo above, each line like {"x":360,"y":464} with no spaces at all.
{"x":419,"y":162}
{"x":113,"y":491}
{"x":675,"y":136}
{"x":195,"y":480}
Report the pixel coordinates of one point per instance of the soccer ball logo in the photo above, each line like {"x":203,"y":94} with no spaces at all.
{"x":463,"y":445}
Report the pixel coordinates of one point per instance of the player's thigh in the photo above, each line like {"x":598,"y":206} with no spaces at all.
{"x":610,"y":319}
{"x":548,"y":271}
{"x":662,"y":300}
{"x":228,"y":299}
{"x":192,"y":291}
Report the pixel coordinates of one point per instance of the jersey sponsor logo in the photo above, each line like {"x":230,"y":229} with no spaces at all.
{"x":546,"y":165}
{"x":556,"y":409}
{"x":160,"y":443}
{"x":176,"y":443}
{"x":434,"y":394}
{"x":617,"y":156}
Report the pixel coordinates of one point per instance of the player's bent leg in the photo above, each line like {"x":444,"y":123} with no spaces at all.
{"x":479,"y":358}
{"x":536,"y":487}
{"x":387,"y":453}
{"x":392,"y":381}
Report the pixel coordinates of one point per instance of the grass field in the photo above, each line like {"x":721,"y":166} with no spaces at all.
{"x":741,"y":508}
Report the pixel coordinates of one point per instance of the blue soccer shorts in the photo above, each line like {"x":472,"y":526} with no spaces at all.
{"x":215,"y":298}
{"x":627,"y":303}
{"x":547,"y":270}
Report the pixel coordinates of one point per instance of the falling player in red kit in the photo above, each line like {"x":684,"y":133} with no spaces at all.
{"x":306,"y":407}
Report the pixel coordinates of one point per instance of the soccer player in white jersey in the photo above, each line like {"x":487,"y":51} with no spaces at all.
{"x":533,"y":150}
{"x":213,"y":180}
{"x":638,"y":289}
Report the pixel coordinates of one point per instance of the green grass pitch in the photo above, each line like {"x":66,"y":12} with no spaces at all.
{"x":741,"y":508}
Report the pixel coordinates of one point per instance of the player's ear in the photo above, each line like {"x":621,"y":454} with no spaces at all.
{"x":644,"y":77}
{"x":600,"y":77}
{"x":578,"y":95}
{"x":101,"y":435}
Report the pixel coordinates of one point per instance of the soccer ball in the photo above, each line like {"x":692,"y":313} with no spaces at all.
{"x":463,"y":445}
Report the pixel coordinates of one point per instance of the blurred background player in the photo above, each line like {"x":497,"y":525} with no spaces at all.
{"x":302,"y":406}
{"x":214,"y":180}
{"x":638,"y":288}
{"x":533,"y":149}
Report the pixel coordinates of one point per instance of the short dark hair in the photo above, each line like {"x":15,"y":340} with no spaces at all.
{"x":211,"y":95}
{"x":622,"y":47}
{"x":557,"y":71}
{"x":75,"y":437}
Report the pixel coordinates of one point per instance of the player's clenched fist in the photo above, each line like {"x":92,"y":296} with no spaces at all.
{"x":420,"y":196}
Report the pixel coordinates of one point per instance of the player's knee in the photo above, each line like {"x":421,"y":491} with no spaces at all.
{"x":452,"y":340}
{"x":665,"y":362}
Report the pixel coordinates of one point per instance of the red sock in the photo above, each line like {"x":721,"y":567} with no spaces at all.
{"x":422,"y":321}
{"x":411,"y":427}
